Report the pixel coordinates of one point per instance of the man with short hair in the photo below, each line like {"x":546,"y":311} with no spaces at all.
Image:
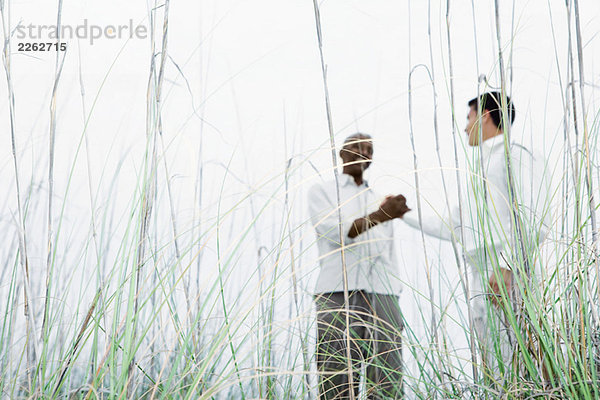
{"x":499,"y":221}
{"x":370,"y":267}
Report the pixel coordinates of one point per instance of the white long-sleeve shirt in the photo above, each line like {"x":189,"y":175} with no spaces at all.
{"x":371,"y":261}
{"x":487,"y":216}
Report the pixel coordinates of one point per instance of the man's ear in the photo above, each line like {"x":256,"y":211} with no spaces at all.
{"x":485,"y":116}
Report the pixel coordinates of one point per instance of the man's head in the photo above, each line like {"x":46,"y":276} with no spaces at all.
{"x":357,"y":154}
{"x":491,"y":121}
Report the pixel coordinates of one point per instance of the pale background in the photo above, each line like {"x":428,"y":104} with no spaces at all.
{"x":252,"y":74}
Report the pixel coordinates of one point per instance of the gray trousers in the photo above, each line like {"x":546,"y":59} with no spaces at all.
{"x":375,"y":341}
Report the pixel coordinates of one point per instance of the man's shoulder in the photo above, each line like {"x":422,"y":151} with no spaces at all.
{"x":327,"y":184}
{"x":321,"y":185}
{"x":519,"y":148}
{"x":319,"y":190}
{"x":498,"y":147}
{"x":525,"y":155}
{"x":518,"y":151}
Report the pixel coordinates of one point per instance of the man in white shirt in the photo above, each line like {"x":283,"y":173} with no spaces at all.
{"x":500,"y":223}
{"x":369,"y":264}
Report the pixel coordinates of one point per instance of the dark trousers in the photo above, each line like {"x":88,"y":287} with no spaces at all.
{"x":375,"y":339}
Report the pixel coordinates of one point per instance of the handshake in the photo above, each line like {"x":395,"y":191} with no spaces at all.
{"x":393,"y":207}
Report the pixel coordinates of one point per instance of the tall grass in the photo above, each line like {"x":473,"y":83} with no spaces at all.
{"x":143,"y":297}
{"x":30,"y":340}
{"x":342,"y":234}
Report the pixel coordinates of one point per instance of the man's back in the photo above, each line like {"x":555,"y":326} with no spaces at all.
{"x":494,"y":203}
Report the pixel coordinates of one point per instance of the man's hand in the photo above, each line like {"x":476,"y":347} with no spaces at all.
{"x":506,"y":276}
{"x":394,"y":206}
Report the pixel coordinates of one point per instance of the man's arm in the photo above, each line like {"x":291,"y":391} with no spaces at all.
{"x":392,"y":207}
{"x":533,"y":185}
{"x":324,"y":217}
{"x":498,"y":287}
{"x":433,"y":225}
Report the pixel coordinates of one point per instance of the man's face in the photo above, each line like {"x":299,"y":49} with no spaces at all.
{"x":472,"y":129}
{"x":357,"y":154}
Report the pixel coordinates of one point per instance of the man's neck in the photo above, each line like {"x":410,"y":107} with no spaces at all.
{"x":358,"y":179}
{"x":495,"y":133}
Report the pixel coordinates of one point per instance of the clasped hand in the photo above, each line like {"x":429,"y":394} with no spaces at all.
{"x":394,"y":206}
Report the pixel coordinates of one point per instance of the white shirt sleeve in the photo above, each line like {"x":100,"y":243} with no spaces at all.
{"x":436,"y":226}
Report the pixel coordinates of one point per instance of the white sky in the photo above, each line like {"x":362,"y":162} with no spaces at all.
{"x":253,"y":64}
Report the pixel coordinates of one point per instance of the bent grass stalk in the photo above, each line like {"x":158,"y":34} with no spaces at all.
{"x":154,"y":105}
{"x":295,"y":287}
{"x":50,"y":250}
{"x":337,"y":185}
{"x":434,"y":322}
{"x":464,"y":274}
{"x":31,"y":346}
{"x":586,"y":154}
